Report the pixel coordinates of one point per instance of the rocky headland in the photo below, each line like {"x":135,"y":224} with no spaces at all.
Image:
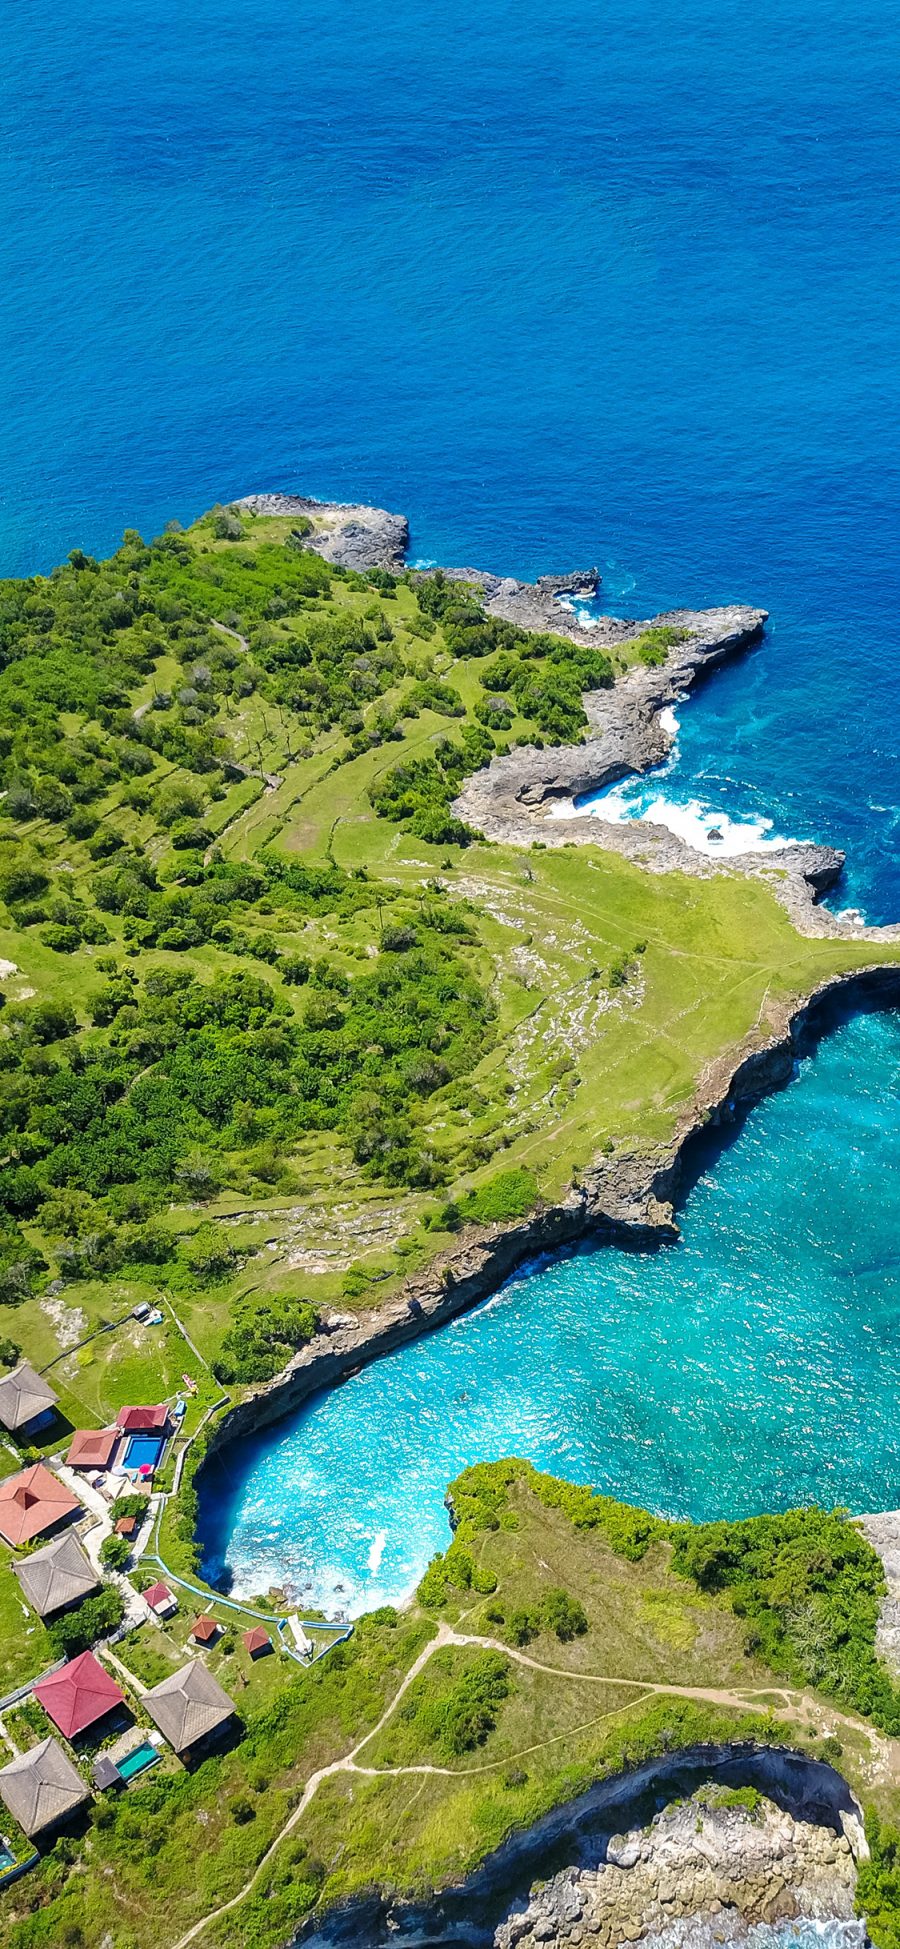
{"x":705,"y":1858}
{"x":630,"y":1197}
{"x":672,"y":1848}
{"x":522,"y":797}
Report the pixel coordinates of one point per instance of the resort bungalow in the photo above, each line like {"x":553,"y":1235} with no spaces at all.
{"x":57,"y":1577}
{"x":27,"y":1402}
{"x":92,"y":1448}
{"x":42,"y":1788}
{"x":143,"y":1421}
{"x":160,"y":1600}
{"x":34,"y":1503}
{"x":144,"y":1433}
{"x":190,"y":1708}
{"x":79,"y":1695}
{"x":205,"y":1630}
{"x":257,"y":1641}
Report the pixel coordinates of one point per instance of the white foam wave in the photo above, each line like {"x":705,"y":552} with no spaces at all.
{"x":701,"y":827}
{"x":377,"y":1551}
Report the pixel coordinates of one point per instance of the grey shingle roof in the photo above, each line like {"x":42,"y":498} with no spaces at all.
{"x":188,"y":1706}
{"x":23,"y":1394}
{"x":42,"y":1787}
{"x":56,"y":1576}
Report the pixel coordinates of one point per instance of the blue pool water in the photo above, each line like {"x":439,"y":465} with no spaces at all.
{"x":143,"y":1451}
{"x":138,"y":1760}
{"x":754,"y":1365}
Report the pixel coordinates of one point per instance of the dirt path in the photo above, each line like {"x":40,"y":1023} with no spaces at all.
{"x":344,"y":1765}
{"x":796,"y":1705}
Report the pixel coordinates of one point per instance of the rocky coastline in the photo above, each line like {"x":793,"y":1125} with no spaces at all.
{"x":704,"y":1858}
{"x":518,"y":798}
{"x":628,"y":1199}
{"x":668,"y":1843}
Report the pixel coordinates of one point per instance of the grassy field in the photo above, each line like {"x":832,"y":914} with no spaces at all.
{"x":427,"y":1787}
{"x":575,"y":1063}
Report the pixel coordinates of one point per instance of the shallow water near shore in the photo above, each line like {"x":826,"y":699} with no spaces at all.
{"x":753,"y":1366}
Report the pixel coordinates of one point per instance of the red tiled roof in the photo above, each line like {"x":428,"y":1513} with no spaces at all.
{"x":204,"y":1629}
{"x":92,"y":1448}
{"x":32,"y":1503}
{"x":79,"y":1695}
{"x":126,"y":1526}
{"x":257,"y":1639}
{"x":157,"y":1594}
{"x":140,"y":1421}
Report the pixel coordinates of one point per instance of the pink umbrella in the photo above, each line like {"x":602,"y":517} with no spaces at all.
{"x":145,"y":1469}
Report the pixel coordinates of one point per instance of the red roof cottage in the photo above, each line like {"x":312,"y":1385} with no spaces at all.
{"x":79,"y":1695}
{"x":143,"y":1421}
{"x":160,"y":1599}
{"x":33,"y":1503}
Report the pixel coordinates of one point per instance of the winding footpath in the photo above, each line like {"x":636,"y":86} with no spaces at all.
{"x":795,"y":1706}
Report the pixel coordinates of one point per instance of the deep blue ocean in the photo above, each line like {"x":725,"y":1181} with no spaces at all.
{"x":567,"y":284}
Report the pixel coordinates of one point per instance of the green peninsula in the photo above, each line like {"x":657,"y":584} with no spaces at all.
{"x":280,"y":1033}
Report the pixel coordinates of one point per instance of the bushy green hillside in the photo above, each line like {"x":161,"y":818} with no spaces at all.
{"x":274,"y":1023}
{"x":561,"y":1638}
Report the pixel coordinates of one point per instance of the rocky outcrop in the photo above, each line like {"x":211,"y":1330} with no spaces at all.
{"x":349,"y":535}
{"x":531,"y":794}
{"x":523,"y":796}
{"x":702,"y":1859}
{"x":883,"y":1532}
{"x":608,"y":1867}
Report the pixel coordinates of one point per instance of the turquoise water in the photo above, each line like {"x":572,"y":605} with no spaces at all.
{"x":754,"y":1365}
{"x":138,"y":1760}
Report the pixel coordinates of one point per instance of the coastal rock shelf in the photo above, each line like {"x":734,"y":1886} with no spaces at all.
{"x":701,"y":1859}
{"x":520,"y":798}
{"x":742,"y":1836}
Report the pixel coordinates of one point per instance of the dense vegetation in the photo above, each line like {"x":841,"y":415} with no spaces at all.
{"x":878,"y":1883}
{"x":810,"y":1586}
{"x":197,"y":1043}
{"x":454,"y":1710}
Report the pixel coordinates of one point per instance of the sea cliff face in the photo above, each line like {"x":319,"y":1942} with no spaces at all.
{"x":695,"y":1862}
{"x":606,"y":1869}
{"x":629,"y":1198}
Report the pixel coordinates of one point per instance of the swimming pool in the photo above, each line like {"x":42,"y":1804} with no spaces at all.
{"x":136,"y":1761}
{"x":143,"y":1451}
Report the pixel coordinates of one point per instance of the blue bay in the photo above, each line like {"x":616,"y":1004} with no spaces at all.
{"x":754,"y":1365}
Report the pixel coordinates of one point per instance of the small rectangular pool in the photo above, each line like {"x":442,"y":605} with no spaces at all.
{"x":136,"y":1761}
{"x":7,"y":1858}
{"x":143,"y":1451}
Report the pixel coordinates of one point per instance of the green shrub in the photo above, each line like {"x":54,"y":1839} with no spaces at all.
{"x":95,"y":1618}
{"x":114,"y":1552}
{"x":878,"y":1884}
{"x":508,"y":1195}
{"x":810,"y":1587}
{"x":460,"y":1715}
{"x":266,"y":1332}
